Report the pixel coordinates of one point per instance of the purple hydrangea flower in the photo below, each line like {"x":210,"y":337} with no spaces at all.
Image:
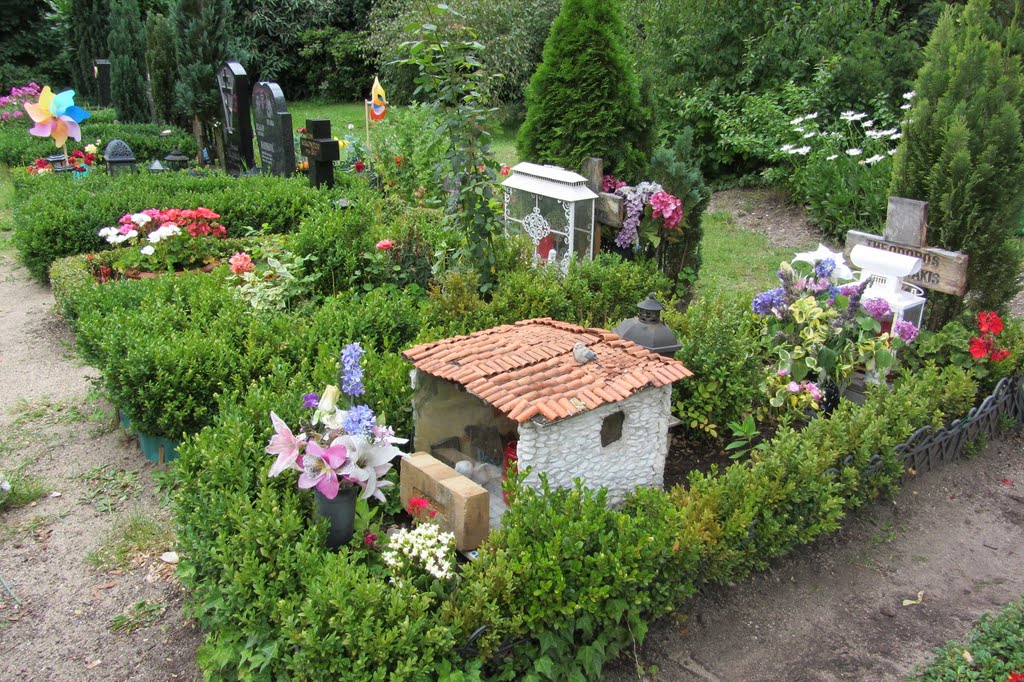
{"x":769,"y":301}
{"x":359,"y":421}
{"x":877,"y":308}
{"x":351,"y":376}
{"x":905,"y":330}
{"x":310,"y":400}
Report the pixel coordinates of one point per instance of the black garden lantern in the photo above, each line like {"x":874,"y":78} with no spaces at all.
{"x":119,"y":158}
{"x":648,"y":330}
{"x":176,"y":160}
{"x":156,"y":167}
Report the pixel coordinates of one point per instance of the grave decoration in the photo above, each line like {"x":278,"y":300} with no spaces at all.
{"x":648,"y":330}
{"x":56,"y":116}
{"x":273,"y":126}
{"x":119,"y":157}
{"x":321,"y":151}
{"x":555,"y":208}
{"x":375,"y":108}
{"x":884,"y":272}
{"x":233,"y":86}
{"x":101,"y":72}
{"x":906,"y":227}
{"x":566,"y":401}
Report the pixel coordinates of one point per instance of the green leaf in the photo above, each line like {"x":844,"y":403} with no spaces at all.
{"x":545,"y":666}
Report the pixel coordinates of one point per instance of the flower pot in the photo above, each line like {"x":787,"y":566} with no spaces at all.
{"x":158,"y":449}
{"x":138,"y":274}
{"x":340,"y":514}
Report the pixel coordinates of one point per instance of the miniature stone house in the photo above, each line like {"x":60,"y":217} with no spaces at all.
{"x":604,"y":420}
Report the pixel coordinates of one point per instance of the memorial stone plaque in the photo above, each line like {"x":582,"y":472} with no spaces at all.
{"x":321,"y":150}
{"x":273,"y":126}
{"x":233,"y":85}
{"x":101,"y":69}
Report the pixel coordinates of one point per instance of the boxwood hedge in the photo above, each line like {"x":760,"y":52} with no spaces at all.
{"x":18,"y":148}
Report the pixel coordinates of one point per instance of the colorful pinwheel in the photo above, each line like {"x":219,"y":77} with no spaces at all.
{"x":56,"y":116}
{"x":378,"y":105}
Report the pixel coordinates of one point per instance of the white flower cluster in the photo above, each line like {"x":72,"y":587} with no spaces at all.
{"x":114,"y":236}
{"x":425,"y":546}
{"x":163,"y":232}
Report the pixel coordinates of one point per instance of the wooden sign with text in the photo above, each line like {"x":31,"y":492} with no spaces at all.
{"x":941,"y":270}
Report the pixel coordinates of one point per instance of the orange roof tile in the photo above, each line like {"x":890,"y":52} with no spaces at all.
{"x":527,"y":370}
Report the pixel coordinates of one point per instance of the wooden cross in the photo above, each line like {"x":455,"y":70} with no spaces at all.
{"x":322,"y":151}
{"x":906,"y":228}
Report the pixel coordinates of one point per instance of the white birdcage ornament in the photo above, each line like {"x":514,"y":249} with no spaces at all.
{"x":554,"y":208}
{"x":885,"y":271}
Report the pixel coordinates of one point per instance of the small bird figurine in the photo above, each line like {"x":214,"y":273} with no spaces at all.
{"x":583,"y":354}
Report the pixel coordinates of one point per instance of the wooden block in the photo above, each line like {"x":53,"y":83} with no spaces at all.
{"x":609,"y":209}
{"x":463,"y":507}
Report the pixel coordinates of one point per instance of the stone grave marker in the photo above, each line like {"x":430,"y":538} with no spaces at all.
{"x":273,"y":126}
{"x":101,"y":70}
{"x":906,"y":229}
{"x":233,"y":86}
{"x":321,"y":150}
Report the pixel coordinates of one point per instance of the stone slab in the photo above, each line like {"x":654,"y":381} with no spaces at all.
{"x":463,"y":507}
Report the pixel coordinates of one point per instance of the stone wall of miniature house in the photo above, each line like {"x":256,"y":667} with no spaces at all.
{"x":571,"y":448}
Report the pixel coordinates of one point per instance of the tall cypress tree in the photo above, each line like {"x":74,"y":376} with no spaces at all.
{"x":963,"y":152}
{"x":162,"y":66}
{"x":127,"y":62}
{"x":200,"y":42}
{"x":584,"y":98}
{"x":89,"y":26}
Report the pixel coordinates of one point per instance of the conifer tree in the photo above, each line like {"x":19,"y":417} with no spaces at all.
{"x":584,"y":98}
{"x":162,"y":66}
{"x":127,"y":62}
{"x":963,"y":153}
{"x":200,"y":42}
{"x":88,"y":29}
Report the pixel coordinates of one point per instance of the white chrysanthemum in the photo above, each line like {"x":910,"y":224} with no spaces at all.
{"x":797,"y":121}
{"x":855,"y":151}
{"x":871,"y":160}
{"x":802,"y":151}
{"x":909,"y":95}
{"x":809,"y":135}
{"x":832,"y":157}
{"x":785,"y":148}
{"x":905,"y":107}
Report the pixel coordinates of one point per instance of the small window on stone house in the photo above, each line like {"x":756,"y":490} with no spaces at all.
{"x":611,"y":428}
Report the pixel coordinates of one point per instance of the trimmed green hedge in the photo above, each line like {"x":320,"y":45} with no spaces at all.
{"x":19,"y":148}
{"x":55,"y":216}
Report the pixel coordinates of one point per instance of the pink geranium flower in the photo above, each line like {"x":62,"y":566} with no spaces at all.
{"x":320,"y":468}
{"x":285,"y":445}
{"x":385,"y":245}
{"x":241,"y":263}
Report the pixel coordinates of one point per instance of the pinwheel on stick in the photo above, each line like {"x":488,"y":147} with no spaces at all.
{"x":56,"y":116}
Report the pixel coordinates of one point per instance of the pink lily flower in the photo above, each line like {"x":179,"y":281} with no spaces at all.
{"x":320,"y":468}
{"x":285,"y":445}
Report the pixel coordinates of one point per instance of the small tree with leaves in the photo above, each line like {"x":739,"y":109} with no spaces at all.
{"x":127,"y":62}
{"x":455,"y":84}
{"x":200,"y":42}
{"x":963,"y":153}
{"x":584,"y":98}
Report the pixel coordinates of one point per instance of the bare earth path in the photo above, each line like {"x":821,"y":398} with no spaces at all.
{"x":61,"y":630}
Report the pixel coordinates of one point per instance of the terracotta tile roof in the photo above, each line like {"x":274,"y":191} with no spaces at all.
{"x":527,"y":369}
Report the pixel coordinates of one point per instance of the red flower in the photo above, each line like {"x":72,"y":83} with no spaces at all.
{"x":990,"y":322}
{"x":398,"y":160}
{"x":360,"y":166}
{"x":301,"y":131}
{"x":505,"y":170}
{"x":417,"y":504}
{"x":370,"y":539}
{"x":1000,"y":354}
{"x":980,"y":347}
{"x":1015,"y":677}
{"x":41,"y":163}
{"x":433,"y":513}
{"x":385,"y":245}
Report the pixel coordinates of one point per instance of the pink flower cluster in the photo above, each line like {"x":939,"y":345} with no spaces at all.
{"x":809,"y":386}
{"x":610,"y":183}
{"x":667,"y":207}
{"x":199,"y":222}
{"x":11,"y":106}
{"x":241,"y":263}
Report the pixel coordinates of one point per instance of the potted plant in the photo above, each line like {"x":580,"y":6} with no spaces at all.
{"x":337,"y":452}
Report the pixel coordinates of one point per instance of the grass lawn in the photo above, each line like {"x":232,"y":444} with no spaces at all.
{"x":736,"y":259}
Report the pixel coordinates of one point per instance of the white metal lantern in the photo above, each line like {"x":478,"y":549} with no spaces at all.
{"x":885,"y":272}
{"x":555,"y":208}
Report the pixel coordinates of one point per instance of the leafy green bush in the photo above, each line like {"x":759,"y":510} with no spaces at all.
{"x":18,"y":148}
{"x":995,"y":645}
{"x":335,"y":64}
{"x":55,"y":217}
{"x":721,"y":344}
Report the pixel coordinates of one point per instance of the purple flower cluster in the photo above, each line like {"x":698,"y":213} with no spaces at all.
{"x":824,"y":268}
{"x":905,"y":330}
{"x":771,"y":301}
{"x":351,"y":375}
{"x":635,"y":199}
{"x":11,"y":105}
{"x":360,"y":420}
{"x":877,"y":308}
{"x":310,"y":400}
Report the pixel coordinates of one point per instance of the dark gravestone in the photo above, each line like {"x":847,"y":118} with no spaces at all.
{"x":233,"y":85}
{"x":273,"y":126}
{"x":101,"y":69}
{"x":321,"y":150}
